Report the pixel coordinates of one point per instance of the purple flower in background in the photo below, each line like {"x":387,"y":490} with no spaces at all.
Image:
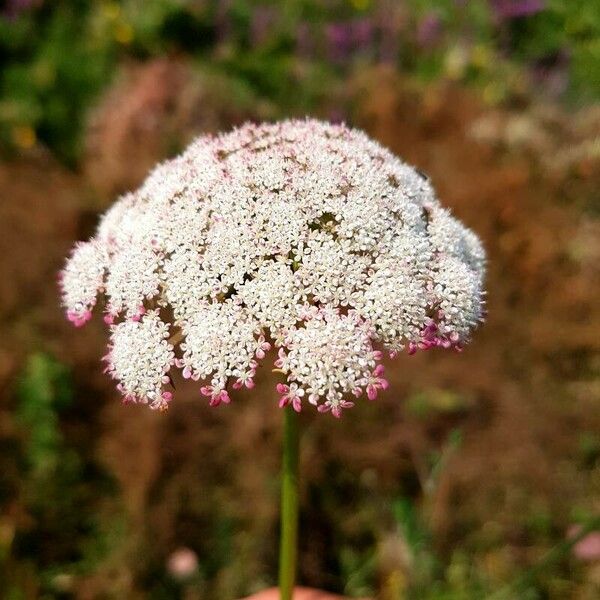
{"x":509,"y":9}
{"x":339,"y":41}
{"x":363,"y":32}
{"x":337,"y":115}
{"x":429,"y":30}
{"x":14,"y":8}
{"x":263,"y":20}
{"x":346,"y":38}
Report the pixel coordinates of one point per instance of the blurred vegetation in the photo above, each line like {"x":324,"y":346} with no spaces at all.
{"x":56,"y":57}
{"x":65,"y":530}
{"x":380,"y":541}
{"x":369,"y":530}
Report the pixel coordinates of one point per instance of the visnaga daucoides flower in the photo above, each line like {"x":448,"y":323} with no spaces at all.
{"x":301,"y":235}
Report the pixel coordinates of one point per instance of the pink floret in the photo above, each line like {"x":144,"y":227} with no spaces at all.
{"x":79,"y":319}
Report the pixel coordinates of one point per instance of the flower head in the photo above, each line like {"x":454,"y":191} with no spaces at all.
{"x":302,"y":235}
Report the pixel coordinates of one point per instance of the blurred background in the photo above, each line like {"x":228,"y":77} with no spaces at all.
{"x":477,"y":475}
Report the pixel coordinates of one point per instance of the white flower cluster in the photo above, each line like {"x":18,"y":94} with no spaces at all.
{"x":303,"y":235}
{"x":140,"y":357}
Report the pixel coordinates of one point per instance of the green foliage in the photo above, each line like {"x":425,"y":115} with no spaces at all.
{"x":63,"y":493}
{"x":54,"y":64}
{"x":44,"y":390}
{"x":589,"y":449}
{"x":55,"y":59}
{"x":357,"y":570}
{"x":430,"y":402}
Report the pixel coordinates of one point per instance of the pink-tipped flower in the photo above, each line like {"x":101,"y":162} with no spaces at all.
{"x":79,"y":319}
{"x":141,"y":311}
{"x":281,"y":359}
{"x":165,"y":398}
{"x":290,"y":394}
{"x":301,"y":235}
{"x":262,"y":347}
{"x":109,"y":319}
{"x":216,"y":395}
{"x":246,"y":380}
{"x":376,"y":382}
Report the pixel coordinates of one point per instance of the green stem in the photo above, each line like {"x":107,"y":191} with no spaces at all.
{"x":288,"y":542}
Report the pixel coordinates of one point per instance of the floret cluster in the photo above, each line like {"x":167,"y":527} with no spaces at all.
{"x":301,"y":235}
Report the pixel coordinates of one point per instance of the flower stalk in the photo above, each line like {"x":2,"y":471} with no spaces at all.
{"x":288,"y":544}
